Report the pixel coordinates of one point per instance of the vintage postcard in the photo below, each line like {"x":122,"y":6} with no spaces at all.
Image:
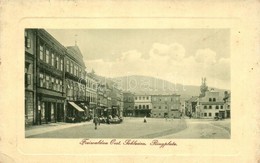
{"x":129,"y":86}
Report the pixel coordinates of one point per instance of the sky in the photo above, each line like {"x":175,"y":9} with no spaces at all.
{"x":181,"y":56}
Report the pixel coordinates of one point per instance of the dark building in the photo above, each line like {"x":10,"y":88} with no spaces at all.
{"x":50,"y":93}
{"x":91,"y":93}
{"x":101,"y":100}
{"x":30,"y":78}
{"x":227,"y":103}
{"x":191,"y":106}
{"x":117,"y":102}
{"x":54,"y":79}
{"x":75,"y":84}
{"x":128,"y":104}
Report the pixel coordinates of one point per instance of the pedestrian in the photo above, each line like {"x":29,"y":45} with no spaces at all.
{"x":96,"y":121}
{"x":145,"y":119}
{"x":108,"y":120}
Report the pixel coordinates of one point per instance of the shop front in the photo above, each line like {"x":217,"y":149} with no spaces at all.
{"x":142,"y":113}
{"x":74,"y":112}
{"x":50,"y":109}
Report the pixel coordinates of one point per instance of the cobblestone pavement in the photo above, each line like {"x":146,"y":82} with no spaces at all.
{"x":203,"y":129}
{"x":130,"y":128}
{"x":136,"y":128}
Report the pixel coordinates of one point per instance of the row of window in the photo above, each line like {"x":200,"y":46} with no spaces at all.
{"x":209,"y":114}
{"x":91,"y":96}
{"x":165,"y":99}
{"x":212,"y":99}
{"x":75,"y":85}
{"x":142,"y":97}
{"x":155,"y":99}
{"x":90,"y":84}
{"x":128,"y":99}
{"x":165,"y":107}
{"x":75,"y":89}
{"x":75,"y":93}
{"x":74,"y":69}
{"x":50,"y":82}
{"x":210,"y":107}
{"x":142,"y":107}
{"x":51,"y":58}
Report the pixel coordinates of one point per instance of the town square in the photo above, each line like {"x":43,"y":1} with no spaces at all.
{"x":69,"y":96}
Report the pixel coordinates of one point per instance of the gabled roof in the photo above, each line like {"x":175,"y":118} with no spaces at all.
{"x":75,"y":49}
{"x":75,"y":52}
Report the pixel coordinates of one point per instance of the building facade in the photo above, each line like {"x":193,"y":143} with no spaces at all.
{"x":211,"y":105}
{"x":166,"y":106}
{"x":128,"y":104}
{"x":102,"y":100}
{"x":143,"y":105}
{"x":50,"y":93}
{"x":76,"y":103}
{"x":91,"y":94}
{"x":29,"y":76}
{"x":227,"y":103}
{"x":117,"y":102}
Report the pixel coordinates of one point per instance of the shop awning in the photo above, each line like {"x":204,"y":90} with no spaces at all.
{"x":76,"y":107}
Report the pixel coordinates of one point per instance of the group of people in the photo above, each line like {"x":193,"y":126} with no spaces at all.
{"x":109,"y":119}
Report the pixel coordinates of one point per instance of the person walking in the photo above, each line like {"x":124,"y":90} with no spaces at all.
{"x":145,"y":119}
{"x":96,"y":121}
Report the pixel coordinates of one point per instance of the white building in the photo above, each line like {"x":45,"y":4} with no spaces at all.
{"x":211,"y":105}
{"x":143,"y":105}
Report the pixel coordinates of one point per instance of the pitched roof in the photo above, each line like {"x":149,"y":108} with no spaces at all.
{"x":76,"y":53}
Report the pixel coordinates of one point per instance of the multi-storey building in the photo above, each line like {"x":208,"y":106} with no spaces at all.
{"x":227,"y":101}
{"x":101,"y":99}
{"x":117,"y":102}
{"x":211,"y":105}
{"x":91,"y":93}
{"x":30,"y":77}
{"x":75,"y":82}
{"x":166,"y":106}
{"x":109,"y":100}
{"x":128,"y":104}
{"x":143,"y":105}
{"x":50,"y":94}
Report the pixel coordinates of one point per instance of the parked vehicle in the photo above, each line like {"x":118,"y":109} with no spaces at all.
{"x":218,"y":118}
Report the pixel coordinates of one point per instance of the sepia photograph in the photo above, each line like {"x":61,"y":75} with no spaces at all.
{"x":127,"y":83}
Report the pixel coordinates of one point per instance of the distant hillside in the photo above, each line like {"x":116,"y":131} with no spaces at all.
{"x":150,"y":85}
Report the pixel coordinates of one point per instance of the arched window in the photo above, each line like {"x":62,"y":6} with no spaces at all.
{"x":217,"y":107}
{"x":140,"y":107}
{"x":214,"y":99}
{"x":210,"y":99}
{"x":143,"y":106}
{"x":147,"y":106}
{"x":205,"y":107}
